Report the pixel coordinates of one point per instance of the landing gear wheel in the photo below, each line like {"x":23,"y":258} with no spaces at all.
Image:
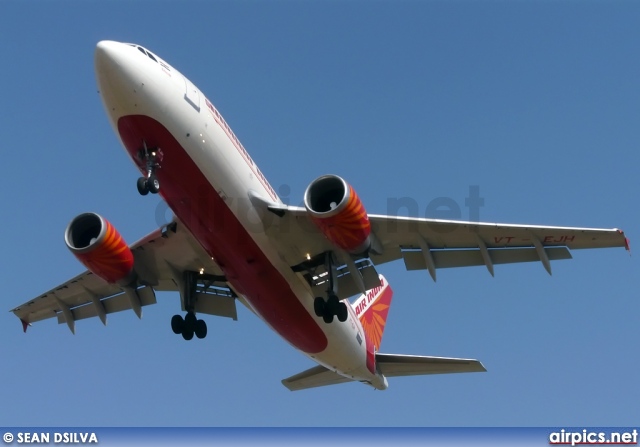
{"x":142,"y":186}
{"x":333,"y":305}
{"x":151,"y":157}
{"x":190,"y":321}
{"x":153,"y":185}
{"x":201,"y":329}
{"x":188,"y":326}
{"x":186,"y":334}
{"x":177,"y":324}
{"x":330,"y":309}
{"x":342,"y":313}
{"x":319,"y":306}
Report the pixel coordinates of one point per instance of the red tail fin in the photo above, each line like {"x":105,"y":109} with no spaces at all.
{"x":372,"y":309}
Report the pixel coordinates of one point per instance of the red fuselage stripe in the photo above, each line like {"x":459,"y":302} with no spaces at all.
{"x":201,"y":209}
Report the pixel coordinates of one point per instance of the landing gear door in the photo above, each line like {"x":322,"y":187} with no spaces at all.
{"x":191,"y":94}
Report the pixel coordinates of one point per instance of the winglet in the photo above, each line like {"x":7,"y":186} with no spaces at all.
{"x":626,"y":241}
{"x":25,"y":325}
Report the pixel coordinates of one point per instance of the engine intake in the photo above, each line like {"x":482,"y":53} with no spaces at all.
{"x":336,"y":209}
{"x":98,"y":245}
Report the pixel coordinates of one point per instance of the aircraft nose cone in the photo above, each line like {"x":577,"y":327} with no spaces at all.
{"x":117,"y":73}
{"x":106,"y":55}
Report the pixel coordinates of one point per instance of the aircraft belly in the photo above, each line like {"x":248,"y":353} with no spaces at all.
{"x":204,"y":212}
{"x":343,"y":352}
{"x":216,"y":209}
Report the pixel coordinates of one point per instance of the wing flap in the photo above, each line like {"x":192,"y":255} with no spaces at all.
{"x":113,"y":304}
{"x":415,"y":259}
{"x":314,"y":377}
{"x":397,"y":365}
{"x":73,"y":293}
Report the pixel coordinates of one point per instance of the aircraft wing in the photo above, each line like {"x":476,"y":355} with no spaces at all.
{"x":159,"y":260}
{"x":431,"y":244}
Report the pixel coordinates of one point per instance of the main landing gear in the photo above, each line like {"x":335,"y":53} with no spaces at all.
{"x":151,"y":158}
{"x":188,"y":326}
{"x":332,"y":307}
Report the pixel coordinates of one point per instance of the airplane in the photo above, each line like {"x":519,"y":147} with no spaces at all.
{"x":232,"y":239}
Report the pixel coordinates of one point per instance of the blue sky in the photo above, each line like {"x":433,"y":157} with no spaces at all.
{"x":536,"y":103}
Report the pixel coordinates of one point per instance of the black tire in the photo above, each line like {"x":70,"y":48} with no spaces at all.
{"x":333,"y":304}
{"x":342,"y":313}
{"x":177,"y":324}
{"x":187,"y":335}
{"x":328,"y":318}
{"x":142,"y":186}
{"x":190,"y":322}
{"x":201,"y":329}
{"x":153,"y":184}
{"x":318,"y":306}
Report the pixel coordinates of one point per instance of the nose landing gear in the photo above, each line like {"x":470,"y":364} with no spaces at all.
{"x":151,"y":158}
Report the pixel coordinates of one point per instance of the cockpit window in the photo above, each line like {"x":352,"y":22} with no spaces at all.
{"x":148,"y":53}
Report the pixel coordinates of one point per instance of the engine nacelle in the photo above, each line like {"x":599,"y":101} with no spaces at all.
{"x":337,"y":211}
{"x":99,"y":246}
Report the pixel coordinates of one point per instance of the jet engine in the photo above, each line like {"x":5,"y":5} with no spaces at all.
{"x":99,"y":246}
{"x":336,"y":209}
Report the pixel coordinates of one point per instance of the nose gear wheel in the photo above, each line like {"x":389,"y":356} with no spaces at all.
{"x":151,"y":158}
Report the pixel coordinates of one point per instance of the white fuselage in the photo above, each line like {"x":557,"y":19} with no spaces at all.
{"x":143,"y":94}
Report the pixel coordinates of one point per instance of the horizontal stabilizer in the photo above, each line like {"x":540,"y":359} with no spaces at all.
{"x":396,"y":365}
{"x":390,"y":365}
{"x":314,"y":377}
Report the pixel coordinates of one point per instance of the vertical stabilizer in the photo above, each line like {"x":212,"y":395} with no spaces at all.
{"x":372,"y":309}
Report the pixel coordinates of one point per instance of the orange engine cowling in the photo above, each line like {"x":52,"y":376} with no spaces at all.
{"x":99,"y":246}
{"x":337,"y":211}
